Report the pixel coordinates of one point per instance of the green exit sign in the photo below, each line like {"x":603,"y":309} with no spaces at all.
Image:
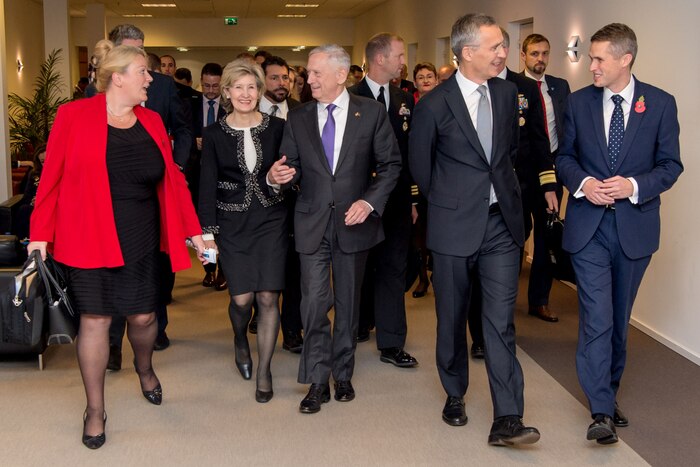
{"x":231,"y":20}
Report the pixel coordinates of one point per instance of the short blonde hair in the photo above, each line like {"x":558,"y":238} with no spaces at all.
{"x":236,"y":70}
{"x":113,"y":59}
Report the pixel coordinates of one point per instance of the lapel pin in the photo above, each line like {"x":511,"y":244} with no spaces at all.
{"x":639,"y":106}
{"x":357,"y":114}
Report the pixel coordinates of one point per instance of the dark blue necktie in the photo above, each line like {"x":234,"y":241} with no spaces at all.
{"x":328,"y":136}
{"x":210,"y":113}
{"x":617,"y":131}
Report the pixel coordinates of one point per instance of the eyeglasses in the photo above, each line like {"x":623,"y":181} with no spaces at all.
{"x":495,"y":49}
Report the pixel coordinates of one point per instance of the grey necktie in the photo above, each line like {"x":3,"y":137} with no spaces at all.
{"x":273,"y":110}
{"x":483,"y":122}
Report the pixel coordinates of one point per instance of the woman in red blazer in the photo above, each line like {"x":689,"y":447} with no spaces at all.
{"x":109,"y":200}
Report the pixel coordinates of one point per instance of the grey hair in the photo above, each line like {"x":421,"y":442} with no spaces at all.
{"x":335,"y":53}
{"x":466,"y":31}
{"x":506,"y":38}
{"x":125,"y":31}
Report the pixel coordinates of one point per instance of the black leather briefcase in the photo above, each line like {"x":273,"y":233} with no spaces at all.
{"x":561,"y":261}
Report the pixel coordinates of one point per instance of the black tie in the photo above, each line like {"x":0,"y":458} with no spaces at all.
{"x":380,"y":98}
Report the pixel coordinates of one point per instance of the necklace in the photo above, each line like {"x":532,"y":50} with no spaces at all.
{"x":119,"y":118}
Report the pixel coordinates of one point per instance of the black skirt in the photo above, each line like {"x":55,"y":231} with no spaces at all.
{"x":135,"y":167}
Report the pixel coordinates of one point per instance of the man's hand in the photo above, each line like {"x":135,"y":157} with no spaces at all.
{"x":414,"y":214}
{"x":595,"y":194}
{"x":552,"y":201}
{"x":357,"y":213}
{"x":280,"y":173}
{"x":199,"y":143}
{"x":617,"y":187}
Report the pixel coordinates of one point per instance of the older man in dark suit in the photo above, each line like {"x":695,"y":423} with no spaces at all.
{"x":620,"y":152}
{"x":340,"y":153}
{"x":461,"y":152}
{"x":385,"y":278}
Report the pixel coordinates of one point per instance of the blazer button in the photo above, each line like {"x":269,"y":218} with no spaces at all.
{"x":331,"y":205}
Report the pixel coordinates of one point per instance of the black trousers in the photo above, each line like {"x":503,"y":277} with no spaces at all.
{"x":325,"y":353}
{"x":496,"y":264}
{"x":290,"y":318}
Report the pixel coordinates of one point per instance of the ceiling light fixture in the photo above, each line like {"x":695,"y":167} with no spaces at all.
{"x":158,"y":5}
{"x":137,"y":16}
{"x":301,"y":5}
{"x":252,"y":48}
{"x":291,"y":16}
{"x":182,"y":49}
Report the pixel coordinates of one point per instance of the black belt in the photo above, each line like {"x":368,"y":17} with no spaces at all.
{"x":494,"y":208}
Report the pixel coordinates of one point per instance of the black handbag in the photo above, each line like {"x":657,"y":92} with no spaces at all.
{"x":561,"y":262}
{"x":62,"y":318}
{"x":22,"y":308}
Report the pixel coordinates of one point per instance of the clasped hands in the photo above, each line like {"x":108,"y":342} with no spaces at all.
{"x":280,"y":173}
{"x":607,"y":191}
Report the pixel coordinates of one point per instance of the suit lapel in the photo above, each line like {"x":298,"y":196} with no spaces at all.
{"x":314,"y":134}
{"x":351,"y":126}
{"x":635,"y":119}
{"x":596,"y":107}
{"x":455,"y":101}
{"x":364,"y":90}
{"x":498,"y":108}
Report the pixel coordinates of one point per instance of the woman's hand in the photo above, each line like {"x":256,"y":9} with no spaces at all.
{"x":41,"y":246}
{"x":199,"y":246}
{"x":211,"y":244}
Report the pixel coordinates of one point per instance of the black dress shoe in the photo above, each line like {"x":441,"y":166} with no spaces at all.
{"x":115,"y":358}
{"x":293,"y":342}
{"x":602,"y":430}
{"x":544,"y":313}
{"x":263,"y":396}
{"x":398,"y":357}
{"x":162,"y":342}
{"x":253,"y":325}
{"x":318,"y":394}
{"x":420,"y":290}
{"x":478,"y":352}
{"x":453,"y":413}
{"x":94,"y":442}
{"x":509,"y":430}
{"x":242,"y":356}
{"x":155,"y":397}
{"x":362,"y":335}
{"x":209,"y":280}
{"x":344,"y":391}
{"x":619,"y":418}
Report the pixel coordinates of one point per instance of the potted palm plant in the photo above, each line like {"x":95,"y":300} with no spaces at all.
{"x":31,"y":118}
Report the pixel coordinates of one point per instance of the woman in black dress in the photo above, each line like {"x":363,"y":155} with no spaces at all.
{"x":109,"y":200}
{"x":245,"y":215}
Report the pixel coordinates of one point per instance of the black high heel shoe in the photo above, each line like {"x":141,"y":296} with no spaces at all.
{"x":94,"y":442}
{"x":245,"y":367}
{"x":264,"y":396}
{"x":154,"y":396}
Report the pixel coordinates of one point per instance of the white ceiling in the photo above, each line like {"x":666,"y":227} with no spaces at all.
{"x":221,"y":8}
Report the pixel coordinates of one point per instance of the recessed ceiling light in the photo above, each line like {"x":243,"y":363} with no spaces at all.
{"x":252,"y":48}
{"x":158,"y":5}
{"x":291,"y":16}
{"x":137,"y":16}
{"x":301,"y":5}
{"x":182,"y":49}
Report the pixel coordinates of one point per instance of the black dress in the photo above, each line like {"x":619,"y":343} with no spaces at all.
{"x":135,"y":167}
{"x":249,"y":220}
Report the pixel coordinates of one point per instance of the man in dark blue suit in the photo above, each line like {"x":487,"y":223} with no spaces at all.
{"x":462,"y":146}
{"x":620,"y":152}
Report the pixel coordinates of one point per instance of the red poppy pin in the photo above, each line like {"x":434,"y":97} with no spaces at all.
{"x":639,"y":106}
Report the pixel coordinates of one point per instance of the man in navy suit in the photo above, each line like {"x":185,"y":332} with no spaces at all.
{"x":620,"y":152}
{"x":552,"y":94}
{"x":462,"y":147}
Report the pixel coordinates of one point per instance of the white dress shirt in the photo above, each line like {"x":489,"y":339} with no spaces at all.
{"x":627,"y":95}
{"x":205,"y":109}
{"x":282,"y":107}
{"x":471,"y":98}
{"x":374,"y":87}
{"x":340,"y":115}
{"x":549,"y":108}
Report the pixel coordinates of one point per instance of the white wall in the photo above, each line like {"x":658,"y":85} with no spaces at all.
{"x":667,"y":32}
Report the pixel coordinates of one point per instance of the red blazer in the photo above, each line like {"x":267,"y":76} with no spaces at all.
{"x":73,"y":209}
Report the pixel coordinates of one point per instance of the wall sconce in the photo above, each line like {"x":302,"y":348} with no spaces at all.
{"x":572,"y":49}
{"x":20,"y":65}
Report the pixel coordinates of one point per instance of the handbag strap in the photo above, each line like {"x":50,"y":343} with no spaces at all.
{"x":51,"y":283}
